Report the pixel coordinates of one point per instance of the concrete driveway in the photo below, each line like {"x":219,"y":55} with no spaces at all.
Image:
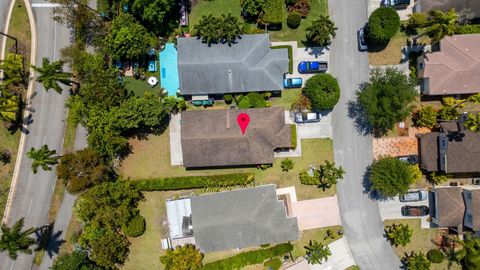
{"x":317,"y":213}
{"x":304,"y":54}
{"x":403,"y":13}
{"x":176,"y":156}
{"x":391,"y":209}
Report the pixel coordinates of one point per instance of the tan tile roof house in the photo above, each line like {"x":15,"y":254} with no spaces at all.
{"x":445,"y":5}
{"x":449,"y":207}
{"x":454,"y":69}
{"x":452,"y":150}
{"x":213,"y":138}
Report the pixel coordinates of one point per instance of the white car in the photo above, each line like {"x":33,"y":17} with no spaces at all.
{"x":414,"y":196}
{"x":308,"y":117}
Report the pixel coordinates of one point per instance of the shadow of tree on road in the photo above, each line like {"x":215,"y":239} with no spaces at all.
{"x":357,"y":114}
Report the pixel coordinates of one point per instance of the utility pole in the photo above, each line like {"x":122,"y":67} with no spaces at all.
{"x":16,"y":41}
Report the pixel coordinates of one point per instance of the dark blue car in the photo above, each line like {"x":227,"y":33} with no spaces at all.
{"x":312,"y":66}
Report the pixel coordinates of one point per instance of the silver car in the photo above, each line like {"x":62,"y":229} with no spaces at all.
{"x":414,"y":196}
{"x":362,"y":40}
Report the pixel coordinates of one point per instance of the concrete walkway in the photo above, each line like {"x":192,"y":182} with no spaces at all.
{"x":66,"y":208}
{"x":340,"y":259}
{"x":176,"y":157}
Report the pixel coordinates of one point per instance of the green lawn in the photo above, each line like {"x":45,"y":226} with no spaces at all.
{"x":19,"y":28}
{"x":216,"y":8}
{"x":320,"y":235}
{"x":288,"y":97}
{"x":139,"y":87}
{"x":7,"y":141}
{"x":151,"y":158}
{"x":421,"y":240}
{"x":389,"y":55}
{"x":317,"y":8}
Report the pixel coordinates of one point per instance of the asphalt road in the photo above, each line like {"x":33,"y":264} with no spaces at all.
{"x":360,"y":215}
{"x":34,"y":191}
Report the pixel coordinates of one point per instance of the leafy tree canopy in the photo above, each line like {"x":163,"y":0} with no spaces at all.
{"x":390,"y":177}
{"x":426,"y":117}
{"x":441,"y":24}
{"x":183,"y":257}
{"x":127,"y":38}
{"x":223,"y":29}
{"x":323,"y":91}
{"x":77,"y":260}
{"x":399,"y":234}
{"x":386,"y":99}
{"x":158,"y":16}
{"x":251,"y":9}
{"x":321,"y":32}
{"x":383,"y":24}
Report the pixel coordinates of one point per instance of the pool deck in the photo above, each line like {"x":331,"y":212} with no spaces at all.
{"x":169,"y":69}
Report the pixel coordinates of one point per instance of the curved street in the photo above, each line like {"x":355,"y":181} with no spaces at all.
{"x":360,"y":215}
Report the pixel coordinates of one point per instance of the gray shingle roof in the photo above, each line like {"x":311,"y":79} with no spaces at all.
{"x":213,"y":138}
{"x":246,"y":66}
{"x":241,"y":218}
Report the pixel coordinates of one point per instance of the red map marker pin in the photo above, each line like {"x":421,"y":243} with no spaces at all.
{"x":243,"y":119}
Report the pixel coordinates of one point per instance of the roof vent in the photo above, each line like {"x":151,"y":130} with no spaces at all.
{"x":230,"y":79}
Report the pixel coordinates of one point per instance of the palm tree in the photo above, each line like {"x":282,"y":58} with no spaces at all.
{"x":44,"y":234}
{"x":441,"y":24}
{"x":9,"y":106}
{"x":398,"y":234}
{"x":329,"y":174}
{"x":51,"y":74}
{"x":417,"y":261}
{"x":14,"y":239}
{"x":13,"y":69}
{"x":469,"y":255}
{"x":321,"y":31}
{"x":316,"y":252}
{"x":42,"y":157}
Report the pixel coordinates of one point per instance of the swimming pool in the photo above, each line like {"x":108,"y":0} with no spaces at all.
{"x":169,"y":70}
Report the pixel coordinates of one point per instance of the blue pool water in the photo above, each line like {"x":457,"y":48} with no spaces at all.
{"x":168,"y":69}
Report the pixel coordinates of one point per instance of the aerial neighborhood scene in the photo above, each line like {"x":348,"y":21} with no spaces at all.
{"x":239,"y":134}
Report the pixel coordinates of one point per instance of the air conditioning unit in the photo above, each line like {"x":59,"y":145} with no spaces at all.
{"x":476,"y":181}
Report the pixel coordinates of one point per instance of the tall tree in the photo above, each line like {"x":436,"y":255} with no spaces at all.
{"x":383,"y":24}
{"x":158,"y":16}
{"x":51,"y":74}
{"x":390,"y":177}
{"x":399,"y":234}
{"x":14,"y":239}
{"x":251,"y":9}
{"x":317,"y":252}
{"x":127,"y":38}
{"x":329,"y":174}
{"x":469,"y":256}
{"x":9,"y":106}
{"x":42,"y":157}
{"x":386,"y":99}
{"x":321,"y":32}
{"x":323,"y":91}
{"x":13,"y":71}
{"x":441,"y":24}
{"x":182,"y":257}
{"x":77,"y":260}
{"x":223,"y":29}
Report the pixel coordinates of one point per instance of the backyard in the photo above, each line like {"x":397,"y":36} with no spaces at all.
{"x":422,"y":239}
{"x":216,"y":8}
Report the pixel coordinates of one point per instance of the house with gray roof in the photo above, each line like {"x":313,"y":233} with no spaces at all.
{"x":213,"y":138}
{"x":248,"y":65}
{"x":233,"y":219}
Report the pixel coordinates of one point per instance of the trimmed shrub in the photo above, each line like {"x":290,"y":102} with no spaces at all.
{"x":287,"y":164}
{"x":135,"y":226}
{"x":252,"y":100}
{"x":249,"y":258}
{"x":323,"y":91}
{"x":435,"y":256}
{"x":189,"y":182}
{"x":383,"y":24}
{"x":273,"y":264}
{"x":293,"y":129}
{"x":273,"y":13}
{"x":290,"y":55}
{"x":468,"y":29}
{"x":302,"y":7}
{"x":293,"y":20}
{"x":228,"y":98}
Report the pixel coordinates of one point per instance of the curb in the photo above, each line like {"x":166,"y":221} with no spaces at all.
{"x":4,"y":39}
{"x":21,"y":146}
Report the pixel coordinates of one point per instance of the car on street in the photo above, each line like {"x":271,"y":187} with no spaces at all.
{"x":312,"y":67}
{"x":414,"y":196}
{"x":415,"y":211}
{"x":397,"y":4}
{"x":411,"y":159}
{"x":362,"y":39}
{"x":292,"y":83}
{"x":307,"y":117}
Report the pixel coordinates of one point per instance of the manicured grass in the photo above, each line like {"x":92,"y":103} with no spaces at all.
{"x":139,"y":87}
{"x":216,"y":8}
{"x":389,"y":55}
{"x":317,"y":8}
{"x":286,"y":99}
{"x":151,"y":158}
{"x":320,"y":235}
{"x":7,"y":141}
{"x":19,"y":28}
{"x":421,"y":240}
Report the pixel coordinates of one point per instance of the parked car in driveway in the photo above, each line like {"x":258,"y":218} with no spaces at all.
{"x":308,"y":117}
{"x":292,"y":83}
{"x":414,"y":196}
{"x":312,"y":66}
{"x":411,"y":159}
{"x":415,"y":211}
{"x":397,"y":4}
{"x":362,"y":39}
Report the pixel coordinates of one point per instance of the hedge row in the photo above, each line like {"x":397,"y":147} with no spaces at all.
{"x":249,"y":258}
{"x":290,"y":56}
{"x":293,"y":128}
{"x":189,"y":182}
{"x":469,"y":29}
{"x":273,"y":12}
